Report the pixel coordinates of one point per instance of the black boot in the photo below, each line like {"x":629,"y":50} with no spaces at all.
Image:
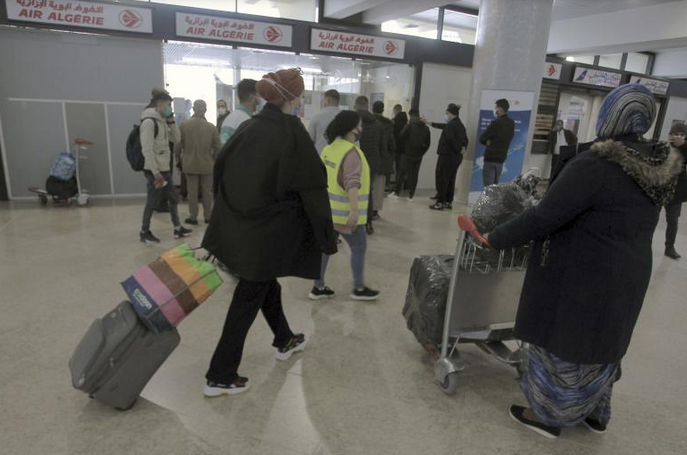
{"x":671,"y":253}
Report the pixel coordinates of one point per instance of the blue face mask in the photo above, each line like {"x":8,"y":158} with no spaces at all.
{"x":296,"y":111}
{"x":167,"y":112}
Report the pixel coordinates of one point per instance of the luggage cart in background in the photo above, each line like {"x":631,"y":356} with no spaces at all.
{"x":483,"y":299}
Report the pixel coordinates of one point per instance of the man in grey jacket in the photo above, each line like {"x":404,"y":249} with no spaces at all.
{"x":158,"y":129}
{"x":319,"y":123}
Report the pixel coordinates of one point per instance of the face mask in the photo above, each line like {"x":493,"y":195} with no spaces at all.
{"x":167,"y":112}
{"x":558,"y":128}
{"x":496,"y":114}
{"x":295,"y":111}
{"x":446,"y":118}
{"x":222,"y":110}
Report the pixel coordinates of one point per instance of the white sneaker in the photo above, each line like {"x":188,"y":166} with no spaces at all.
{"x":212,"y":390}
{"x":392,"y":196}
{"x":410,"y":199}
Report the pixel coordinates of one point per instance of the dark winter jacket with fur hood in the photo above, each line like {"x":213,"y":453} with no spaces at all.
{"x":591,"y":260}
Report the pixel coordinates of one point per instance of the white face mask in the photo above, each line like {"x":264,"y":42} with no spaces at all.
{"x":222,"y":110}
{"x":446,"y":118}
{"x":496,"y":114}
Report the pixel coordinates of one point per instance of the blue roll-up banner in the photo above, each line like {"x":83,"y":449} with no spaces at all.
{"x":521,"y":104}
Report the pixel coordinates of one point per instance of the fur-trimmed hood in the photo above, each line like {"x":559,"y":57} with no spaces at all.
{"x":655,"y":166}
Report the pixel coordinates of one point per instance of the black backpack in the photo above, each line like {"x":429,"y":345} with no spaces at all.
{"x":134,"y":151}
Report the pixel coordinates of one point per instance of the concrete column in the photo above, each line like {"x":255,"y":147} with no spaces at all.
{"x":510,"y":54}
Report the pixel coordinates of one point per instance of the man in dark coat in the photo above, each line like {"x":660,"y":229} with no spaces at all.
{"x":416,"y":138}
{"x":559,"y":137}
{"x":387,"y":153}
{"x":453,"y":140}
{"x":674,"y":207}
{"x":590,"y":265}
{"x":497,"y":138}
{"x":271,"y":219}
{"x":372,"y":142}
{"x":400,"y":121}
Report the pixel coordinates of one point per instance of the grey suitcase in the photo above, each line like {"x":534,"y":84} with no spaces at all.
{"x":117,"y":357}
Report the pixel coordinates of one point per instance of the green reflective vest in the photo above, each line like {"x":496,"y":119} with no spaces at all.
{"x":333,"y":156}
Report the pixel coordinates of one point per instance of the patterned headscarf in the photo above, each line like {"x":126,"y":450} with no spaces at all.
{"x":628,"y":109}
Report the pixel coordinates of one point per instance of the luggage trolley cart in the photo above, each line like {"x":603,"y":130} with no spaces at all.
{"x":482,"y":302}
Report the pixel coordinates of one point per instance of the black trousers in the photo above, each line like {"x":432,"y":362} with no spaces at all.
{"x":249,"y":298}
{"x":410,"y":169}
{"x":370,"y":204}
{"x":673,"y":212}
{"x":447,"y":170}
{"x":554,"y":164}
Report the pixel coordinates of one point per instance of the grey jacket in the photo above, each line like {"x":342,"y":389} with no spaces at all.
{"x":156,"y":148}
{"x":318,"y":125}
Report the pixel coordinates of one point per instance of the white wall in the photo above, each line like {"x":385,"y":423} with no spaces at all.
{"x":441,"y":85}
{"x":395,"y":81}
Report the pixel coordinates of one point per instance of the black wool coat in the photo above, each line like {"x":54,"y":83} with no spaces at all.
{"x":591,"y":261}
{"x":372,"y":141}
{"x":272,"y":216}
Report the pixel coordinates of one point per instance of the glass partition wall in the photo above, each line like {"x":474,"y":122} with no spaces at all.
{"x":211,"y":72}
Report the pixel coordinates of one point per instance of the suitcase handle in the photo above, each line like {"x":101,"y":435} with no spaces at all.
{"x":468,"y":225}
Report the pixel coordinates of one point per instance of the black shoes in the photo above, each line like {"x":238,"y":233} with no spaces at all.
{"x":319,"y":294}
{"x":516,"y":412}
{"x":448,"y":206}
{"x":438,"y":206}
{"x":365,"y":294}
{"x":671,"y":253}
{"x":297,"y":344}
{"x":192,"y":221}
{"x":375,"y":215}
{"x":148,"y":237}
{"x":181,"y":232}
{"x":595,"y":426}
{"x":369,"y":229}
{"x":214,"y":389}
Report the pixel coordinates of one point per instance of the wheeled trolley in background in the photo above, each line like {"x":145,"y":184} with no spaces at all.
{"x":64,"y":192}
{"x":483,"y":298}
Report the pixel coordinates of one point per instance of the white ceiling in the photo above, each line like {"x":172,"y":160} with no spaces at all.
{"x":570,"y":9}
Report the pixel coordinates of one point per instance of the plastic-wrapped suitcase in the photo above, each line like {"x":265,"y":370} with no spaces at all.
{"x":117,"y":357}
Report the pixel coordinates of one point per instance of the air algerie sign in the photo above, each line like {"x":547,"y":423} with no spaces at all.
{"x":228,"y":29}
{"x":352,"y":43}
{"x":106,"y":16}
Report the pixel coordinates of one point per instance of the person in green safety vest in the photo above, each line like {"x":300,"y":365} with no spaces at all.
{"x":348,"y":179}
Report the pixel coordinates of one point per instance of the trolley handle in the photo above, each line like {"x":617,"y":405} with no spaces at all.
{"x":468,"y":225}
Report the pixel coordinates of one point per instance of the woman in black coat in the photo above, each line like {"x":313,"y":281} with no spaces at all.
{"x":271,"y":219}
{"x":590,"y":266}
{"x":678,"y":131}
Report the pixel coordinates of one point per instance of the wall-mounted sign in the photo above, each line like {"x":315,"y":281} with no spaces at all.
{"x":236,"y":30}
{"x":596,"y":77}
{"x":656,"y":86}
{"x":105,"y":16}
{"x":552,"y":70}
{"x":354,"y":44}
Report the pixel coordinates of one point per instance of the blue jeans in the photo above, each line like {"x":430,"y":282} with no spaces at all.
{"x":154,"y":196}
{"x":357,"y":241}
{"x":491,"y":173}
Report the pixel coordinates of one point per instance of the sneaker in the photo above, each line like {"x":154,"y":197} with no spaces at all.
{"x":181,"y":232}
{"x":671,"y":253}
{"x":410,"y":199}
{"x":147,"y":236}
{"x":192,"y":221}
{"x":438,"y":206}
{"x":594,"y":425}
{"x":516,"y":413}
{"x":319,"y":294}
{"x":214,"y":389}
{"x":365,"y":294}
{"x":393,"y":195}
{"x":448,"y":206}
{"x":297,"y":344}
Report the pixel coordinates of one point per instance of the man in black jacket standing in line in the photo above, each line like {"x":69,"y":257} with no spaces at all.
{"x":372,"y":142}
{"x":497,"y":138}
{"x":559,"y":137}
{"x":451,"y":144}
{"x":677,"y":139}
{"x":400,"y":121}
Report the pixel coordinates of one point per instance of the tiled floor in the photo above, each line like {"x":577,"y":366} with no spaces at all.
{"x":363,"y":386}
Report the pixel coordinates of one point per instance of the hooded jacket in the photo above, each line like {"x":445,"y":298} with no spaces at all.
{"x":371,"y":141}
{"x":591,"y":259}
{"x":155,"y":149}
{"x":388,"y":150}
{"x":272,"y":216}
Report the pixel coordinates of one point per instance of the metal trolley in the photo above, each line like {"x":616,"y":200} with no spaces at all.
{"x":482,"y":302}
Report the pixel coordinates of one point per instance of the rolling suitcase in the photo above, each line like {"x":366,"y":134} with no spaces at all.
{"x":117,"y":357}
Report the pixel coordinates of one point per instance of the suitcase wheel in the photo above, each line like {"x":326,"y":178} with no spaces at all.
{"x":128,"y":407}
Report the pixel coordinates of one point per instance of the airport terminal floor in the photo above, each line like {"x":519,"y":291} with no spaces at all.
{"x":363,"y":385}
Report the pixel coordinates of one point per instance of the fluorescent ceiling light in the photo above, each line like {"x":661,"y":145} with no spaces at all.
{"x":569,"y":58}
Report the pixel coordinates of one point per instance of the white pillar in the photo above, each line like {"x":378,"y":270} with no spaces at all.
{"x":510,"y":54}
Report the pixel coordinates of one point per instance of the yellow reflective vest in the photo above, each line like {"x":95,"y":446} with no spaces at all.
{"x":333,"y":156}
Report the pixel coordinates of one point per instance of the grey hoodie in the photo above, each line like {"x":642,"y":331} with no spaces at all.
{"x":156,"y":148}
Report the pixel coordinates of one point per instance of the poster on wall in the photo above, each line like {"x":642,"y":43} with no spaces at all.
{"x":355,"y":44}
{"x":552,"y":70}
{"x":235,"y":30}
{"x":657,"y":86}
{"x":82,"y":14}
{"x":521,"y":104}
{"x":596,"y":77}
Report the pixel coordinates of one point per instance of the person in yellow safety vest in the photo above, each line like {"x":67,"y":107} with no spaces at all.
{"x":348,"y":179}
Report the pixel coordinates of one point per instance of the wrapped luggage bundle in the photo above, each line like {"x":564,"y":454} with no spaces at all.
{"x":426,"y":297}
